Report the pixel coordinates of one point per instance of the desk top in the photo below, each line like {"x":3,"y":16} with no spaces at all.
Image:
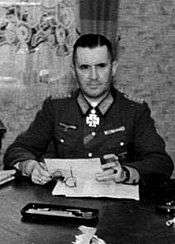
{"x":120,"y":221}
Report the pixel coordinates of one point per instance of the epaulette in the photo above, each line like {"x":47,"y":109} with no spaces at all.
{"x":60,"y":96}
{"x":134,"y":99}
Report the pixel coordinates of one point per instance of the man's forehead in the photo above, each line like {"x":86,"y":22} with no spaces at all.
{"x":96,"y":54}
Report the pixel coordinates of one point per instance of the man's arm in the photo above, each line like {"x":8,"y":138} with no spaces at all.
{"x":31,"y":144}
{"x":150,"y":162}
{"x":151,"y":158}
{"x":113,"y":170}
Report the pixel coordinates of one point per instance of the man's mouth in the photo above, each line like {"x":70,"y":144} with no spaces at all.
{"x":92,"y":85}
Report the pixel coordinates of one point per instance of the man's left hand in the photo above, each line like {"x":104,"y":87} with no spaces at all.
{"x":112,"y":170}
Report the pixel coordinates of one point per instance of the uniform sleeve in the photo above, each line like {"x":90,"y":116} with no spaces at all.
{"x":150,"y":155}
{"x":32,"y":143}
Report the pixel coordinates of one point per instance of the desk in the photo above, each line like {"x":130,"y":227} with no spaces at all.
{"x":120,"y":221}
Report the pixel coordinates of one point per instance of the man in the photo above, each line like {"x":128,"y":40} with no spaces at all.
{"x":97,"y":121}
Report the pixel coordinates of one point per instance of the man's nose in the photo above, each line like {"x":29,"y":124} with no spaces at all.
{"x":94,"y":73}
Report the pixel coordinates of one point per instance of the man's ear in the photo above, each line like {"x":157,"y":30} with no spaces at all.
{"x":114,"y":67}
{"x":72,"y":71}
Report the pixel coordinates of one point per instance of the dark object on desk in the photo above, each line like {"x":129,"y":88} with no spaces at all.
{"x":43,"y":212}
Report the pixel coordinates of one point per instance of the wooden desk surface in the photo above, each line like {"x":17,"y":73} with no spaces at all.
{"x":120,"y":221}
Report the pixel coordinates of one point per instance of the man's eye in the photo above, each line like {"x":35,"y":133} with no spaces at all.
{"x":83,"y":67}
{"x":102,"y":65}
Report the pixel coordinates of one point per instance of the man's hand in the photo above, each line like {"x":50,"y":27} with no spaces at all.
{"x":112,"y":169}
{"x":36,"y":170}
{"x":40,"y":175}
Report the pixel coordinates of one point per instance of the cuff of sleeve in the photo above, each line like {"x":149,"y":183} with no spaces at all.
{"x":134,"y":176}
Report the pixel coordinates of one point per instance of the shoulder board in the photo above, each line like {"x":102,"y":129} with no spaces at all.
{"x":134,"y":99}
{"x":60,"y":96}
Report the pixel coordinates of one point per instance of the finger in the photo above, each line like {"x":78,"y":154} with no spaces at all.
{"x":116,"y":177}
{"x":104,"y":177}
{"x":39,"y":178}
{"x":43,"y":172}
{"x":35,"y":179}
{"x":110,"y":156}
{"x":119,"y":175}
{"x":35,"y":176}
{"x":108,"y":166}
{"x":40,"y":181}
{"x":43,"y":165}
{"x":106,"y":172}
{"x":113,"y":174}
{"x":56,"y":174}
{"x":110,"y":159}
{"x":44,"y":180}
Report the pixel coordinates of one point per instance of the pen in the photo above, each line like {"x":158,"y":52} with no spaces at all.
{"x":43,"y":164}
{"x":71,"y":172}
{"x":78,"y":213}
{"x":49,"y":211}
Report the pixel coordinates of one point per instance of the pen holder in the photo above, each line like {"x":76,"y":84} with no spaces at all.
{"x":44,"y":213}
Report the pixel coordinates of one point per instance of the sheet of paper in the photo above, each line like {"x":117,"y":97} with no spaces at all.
{"x":84,"y":170}
{"x":6,"y":176}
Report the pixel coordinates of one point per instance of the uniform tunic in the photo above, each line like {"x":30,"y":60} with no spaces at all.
{"x":126,"y":129}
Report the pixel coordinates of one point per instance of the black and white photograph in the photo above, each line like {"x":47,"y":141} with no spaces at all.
{"x":87,"y":122}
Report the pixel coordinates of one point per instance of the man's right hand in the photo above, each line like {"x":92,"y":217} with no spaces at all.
{"x":36,"y":170}
{"x":40,"y":175}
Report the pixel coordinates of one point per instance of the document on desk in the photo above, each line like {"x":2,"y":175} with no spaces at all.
{"x":6,"y":176}
{"x":84,"y":171}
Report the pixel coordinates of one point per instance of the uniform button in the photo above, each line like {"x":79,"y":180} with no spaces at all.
{"x":62,"y":140}
{"x":90,"y":155}
{"x":93,"y":133}
{"x":121,"y":143}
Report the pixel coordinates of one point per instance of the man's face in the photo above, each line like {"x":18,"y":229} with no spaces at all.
{"x":93,"y":69}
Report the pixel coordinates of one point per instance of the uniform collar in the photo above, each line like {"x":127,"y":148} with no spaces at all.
{"x":103,"y":107}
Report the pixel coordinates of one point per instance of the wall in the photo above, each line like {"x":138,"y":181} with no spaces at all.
{"x":146,"y":70}
{"x":147,"y":59}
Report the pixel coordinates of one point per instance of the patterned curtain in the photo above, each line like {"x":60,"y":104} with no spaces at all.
{"x":36,"y":38}
{"x":99,"y":16}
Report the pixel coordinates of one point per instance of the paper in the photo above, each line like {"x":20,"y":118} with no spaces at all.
{"x":87,"y":236}
{"x":6,"y":176}
{"x":84,"y":170}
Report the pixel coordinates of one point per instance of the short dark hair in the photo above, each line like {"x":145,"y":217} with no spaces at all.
{"x":92,"y":41}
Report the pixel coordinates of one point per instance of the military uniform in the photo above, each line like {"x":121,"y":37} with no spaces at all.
{"x":119,"y":125}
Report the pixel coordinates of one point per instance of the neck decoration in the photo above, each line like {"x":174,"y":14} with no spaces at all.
{"x":92,"y":120}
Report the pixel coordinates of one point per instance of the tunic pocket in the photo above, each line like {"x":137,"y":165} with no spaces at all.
{"x":67,"y":136}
